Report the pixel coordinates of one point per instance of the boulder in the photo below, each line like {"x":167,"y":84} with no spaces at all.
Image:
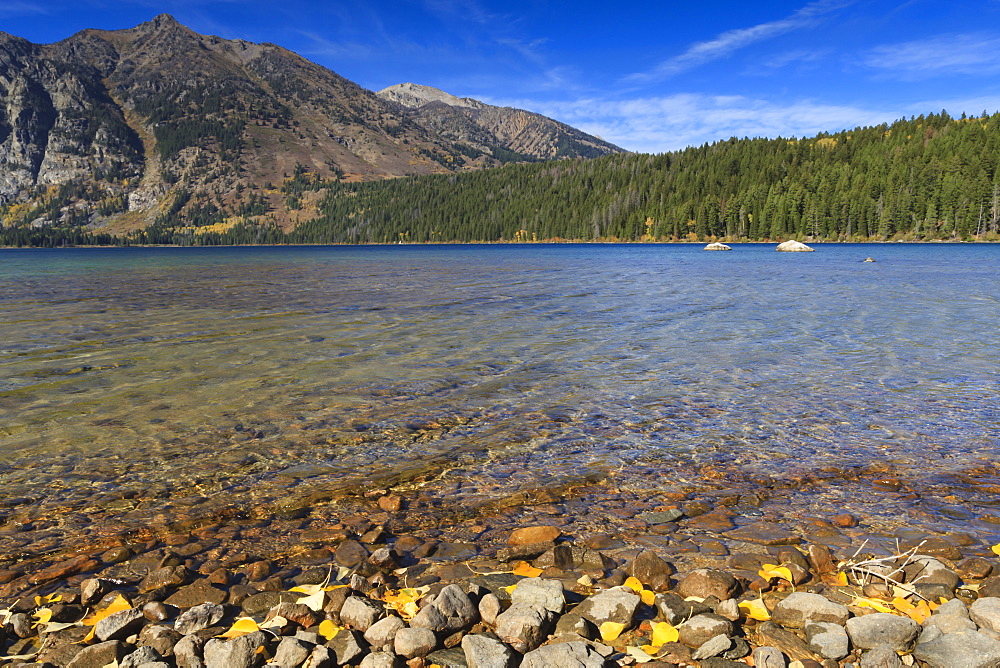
{"x":717,"y":246}
{"x":793,"y":246}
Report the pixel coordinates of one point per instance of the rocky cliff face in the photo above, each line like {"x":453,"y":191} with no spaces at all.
{"x":121,"y":129}
{"x":489,"y":128}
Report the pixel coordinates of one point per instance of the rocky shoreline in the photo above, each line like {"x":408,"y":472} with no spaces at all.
{"x":359,"y":592}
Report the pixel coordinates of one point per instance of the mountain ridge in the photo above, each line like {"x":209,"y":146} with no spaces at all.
{"x":121,"y":130}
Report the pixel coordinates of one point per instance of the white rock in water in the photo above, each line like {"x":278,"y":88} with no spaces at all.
{"x":793,"y":246}
{"x":717,"y":246}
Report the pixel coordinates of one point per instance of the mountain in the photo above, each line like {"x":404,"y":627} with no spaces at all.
{"x":486,"y":127}
{"x":159,"y":127}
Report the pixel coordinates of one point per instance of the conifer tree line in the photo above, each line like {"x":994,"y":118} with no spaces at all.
{"x":924,"y":178}
{"x":929,"y":177}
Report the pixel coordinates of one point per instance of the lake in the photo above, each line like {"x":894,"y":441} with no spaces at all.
{"x":143,"y":384}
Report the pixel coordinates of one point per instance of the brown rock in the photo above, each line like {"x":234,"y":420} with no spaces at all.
{"x":651,"y":570}
{"x":64,"y":569}
{"x":706,"y":582}
{"x":845,"y":520}
{"x":535,"y":534}
{"x":820,"y":558}
{"x":258,"y":571}
{"x":714,"y":521}
{"x":168,"y":576}
{"x":764,"y":534}
{"x":8,"y":576}
{"x":769,"y":634}
{"x":975,"y":568}
{"x":196,"y":593}
{"x":391,"y":503}
{"x":350,"y":553}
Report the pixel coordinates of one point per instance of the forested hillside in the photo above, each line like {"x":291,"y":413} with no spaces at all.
{"x":930,"y":177}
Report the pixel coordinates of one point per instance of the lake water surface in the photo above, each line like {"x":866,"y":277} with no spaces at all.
{"x":134,"y":382}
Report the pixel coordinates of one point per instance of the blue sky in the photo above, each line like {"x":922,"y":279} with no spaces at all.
{"x":647,"y":76}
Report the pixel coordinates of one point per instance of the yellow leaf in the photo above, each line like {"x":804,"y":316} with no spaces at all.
{"x":527,"y":570}
{"x":510,"y":589}
{"x":878,"y":606}
{"x":841,"y":579}
{"x":405,"y":600}
{"x":120,"y":603}
{"x":634,"y":584}
{"x":996,"y":549}
{"x":276,"y":622}
{"x":771,"y":571}
{"x":664,"y":632}
{"x":240,"y":627}
{"x":314,"y":601}
{"x":648,"y":597}
{"x":641,"y":655}
{"x":42,"y":617}
{"x":755,"y":609}
{"x":611,"y":630}
{"x":329,"y":630}
{"x":51,"y":598}
{"x":902,"y":604}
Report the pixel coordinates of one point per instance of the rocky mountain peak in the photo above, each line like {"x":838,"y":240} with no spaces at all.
{"x":415,"y":95}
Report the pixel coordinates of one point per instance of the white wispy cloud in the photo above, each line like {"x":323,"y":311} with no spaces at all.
{"x":11,"y":9}
{"x":666,"y":123}
{"x":969,"y":53}
{"x":732,"y":40}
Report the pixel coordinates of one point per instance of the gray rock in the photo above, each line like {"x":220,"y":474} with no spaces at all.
{"x":800,"y":608}
{"x":730,"y":609}
{"x":160,"y":638}
{"x":928,"y":570}
{"x":713,"y":647}
{"x":199,"y":617}
{"x":882,"y":628}
{"x":454,"y":612}
{"x":676,"y":610}
{"x":611,"y":605}
{"x":414,"y":642}
{"x":953,"y":607}
{"x":769,"y":657}
{"x":236,"y":653}
{"x":544,"y":593}
{"x":827,"y":639}
{"x":698,"y":630}
{"x":960,"y":650}
{"x":448,"y":658}
{"x":360,"y":612}
{"x":291,"y":652}
{"x":949,"y":624}
{"x":321,"y":657}
{"x":486,"y":652}
{"x":188,"y":652}
{"x":382,"y":633}
{"x":706,"y":582}
{"x":258,"y":604}
{"x":651,"y":570}
{"x":120,"y":625}
{"x":524,"y":627}
{"x":348,"y":646}
{"x":139,"y":657}
{"x":99,"y":655}
{"x":489,"y":608}
{"x":986,"y":613}
{"x":565,"y":655}
{"x":379,"y":660}
{"x":882,"y":656}
{"x":573,"y":623}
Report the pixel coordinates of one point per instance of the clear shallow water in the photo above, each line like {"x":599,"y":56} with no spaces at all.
{"x":209,"y":378}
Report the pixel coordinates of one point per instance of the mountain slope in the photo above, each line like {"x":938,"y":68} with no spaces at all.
{"x":486,"y":127}
{"x":160,"y":126}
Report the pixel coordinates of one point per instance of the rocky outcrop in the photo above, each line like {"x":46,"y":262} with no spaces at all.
{"x":489,"y":128}
{"x":793,"y":246}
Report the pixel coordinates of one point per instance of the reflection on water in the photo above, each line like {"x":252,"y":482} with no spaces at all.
{"x":226,"y":376}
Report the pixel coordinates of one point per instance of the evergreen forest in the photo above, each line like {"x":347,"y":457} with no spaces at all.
{"x":925,"y":178}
